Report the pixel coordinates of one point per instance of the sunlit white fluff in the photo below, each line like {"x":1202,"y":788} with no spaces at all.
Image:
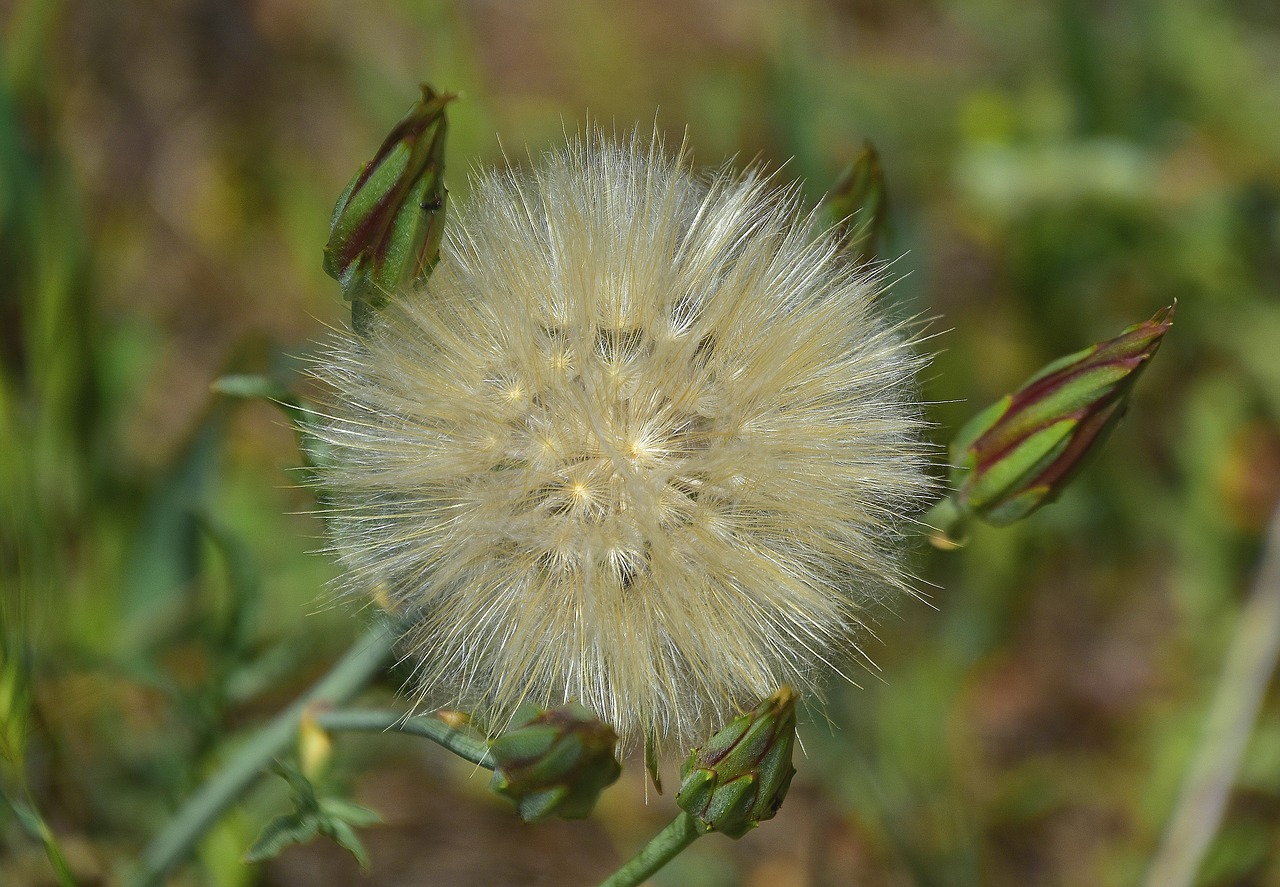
{"x":643,"y":441}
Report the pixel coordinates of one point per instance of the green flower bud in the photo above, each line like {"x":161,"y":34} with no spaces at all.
{"x":1018,"y":454}
{"x":858,"y":205}
{"x":387,"y":226}
{"x":741,"y":776}
{"x":555,"y":762}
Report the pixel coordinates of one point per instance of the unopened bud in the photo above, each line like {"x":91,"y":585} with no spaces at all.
{"x":741,"y":776}
{"x":555,"y":762}
{"x":858,"y":205}
{"x":387,"y":226}
{"x":1019,"y":454}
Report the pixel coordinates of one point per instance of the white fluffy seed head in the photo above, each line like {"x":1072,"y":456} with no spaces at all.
{"x":643,"y":441}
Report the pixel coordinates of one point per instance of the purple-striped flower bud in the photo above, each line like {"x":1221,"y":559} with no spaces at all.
{"x":741,"y":776}
{"x":1018,"y":454}
{"x":555,"y":762}
{"x":387,"y":226}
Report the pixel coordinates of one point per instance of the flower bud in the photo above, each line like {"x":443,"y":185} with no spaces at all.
{"x":1019,"y":453}
{"x":555,"y":762}
{"x":387,"y":226}
{"x":741,"y":776}
{"x":858,"y":205}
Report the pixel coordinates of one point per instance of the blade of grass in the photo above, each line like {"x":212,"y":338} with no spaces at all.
{"x":1250,"y":663}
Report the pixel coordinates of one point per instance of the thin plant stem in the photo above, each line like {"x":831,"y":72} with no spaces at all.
{"x":351,"y":674}
{"x":467,"y":747}
{"x":665,"y":846}
{"x":34,"y":825}
{"x":946,"y":525}
{"x":1250,"y":663}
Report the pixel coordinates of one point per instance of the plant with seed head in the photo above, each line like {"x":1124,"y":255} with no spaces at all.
{"x":642,"y":441}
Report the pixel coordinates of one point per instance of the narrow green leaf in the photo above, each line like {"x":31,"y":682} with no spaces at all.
{"x":651,"y":761}
{"x":300,"y":412}
{"x":165,"y":557}
{"x":349,"y":811}
{"x":301,"y":789}
{"x":346,"y":837}
{"x":280,"y":832}
{"x":231,"y":634}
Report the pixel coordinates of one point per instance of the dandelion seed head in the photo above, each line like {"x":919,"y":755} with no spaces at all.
{"x":643,"y":441}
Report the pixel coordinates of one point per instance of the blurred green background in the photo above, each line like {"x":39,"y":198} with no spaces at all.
{"x":1057,"y":171}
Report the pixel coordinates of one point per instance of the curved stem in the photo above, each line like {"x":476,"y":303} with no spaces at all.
{"x":1250,"y":662}
{"x":242,"y":768}
{"x":665,"y":846}
{"x":467,"y":747}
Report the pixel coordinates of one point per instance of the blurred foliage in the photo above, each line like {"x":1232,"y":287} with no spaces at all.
{"x":1058,"y":170}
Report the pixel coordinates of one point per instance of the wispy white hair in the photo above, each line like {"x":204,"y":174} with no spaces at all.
{"x":644,"y":441}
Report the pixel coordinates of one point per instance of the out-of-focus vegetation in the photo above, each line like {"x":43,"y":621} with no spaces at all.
{"x":1056,"y":171}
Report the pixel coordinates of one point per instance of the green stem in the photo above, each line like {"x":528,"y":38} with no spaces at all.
{"x":347,"y":678}
{"x":665,"y":846}
{"x":468,"y":747}
{"x":35,"y":826}
{"x":1250,"y":663}
{"x":946,"y":521}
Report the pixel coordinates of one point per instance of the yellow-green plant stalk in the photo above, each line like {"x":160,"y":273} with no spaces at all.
{"x":643,"y":441}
